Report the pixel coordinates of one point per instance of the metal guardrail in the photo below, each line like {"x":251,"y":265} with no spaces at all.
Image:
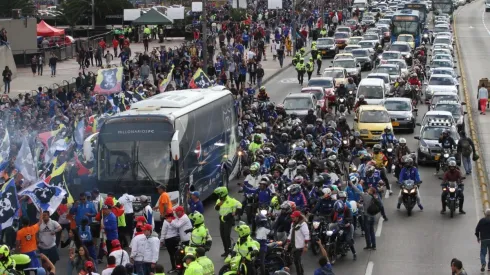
{"x":23,"y":58}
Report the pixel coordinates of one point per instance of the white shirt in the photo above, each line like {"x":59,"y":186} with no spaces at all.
{"x":250,"y":55}
{"x":122,"y":257}
{"x":300,"y":236}
{"x":182,"y":224}
{"x":107,"y":271}
{"x":127,"y":201}
{"x":134,"y":253}
{"x":46,"y":239}
{"x":168,"y":231}
{"x":146,"y":249}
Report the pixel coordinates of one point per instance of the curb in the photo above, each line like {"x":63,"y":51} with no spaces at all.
{"x":278,"y":72}
{"x":480,"y":167}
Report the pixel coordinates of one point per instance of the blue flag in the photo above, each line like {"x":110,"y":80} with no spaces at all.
{"x":8,"y":204}
{"x":79,"y":133}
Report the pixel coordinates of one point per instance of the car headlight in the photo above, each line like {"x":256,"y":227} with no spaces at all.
{"x":424,"y":149}
{"x":364,"y":132}
{"x":380,"y":56}
{"x":263,"y":212}
{"x":316,"y":225}
{"x":408,"y":118}
{"x":446,"y":155}
{"x":426,"y":36}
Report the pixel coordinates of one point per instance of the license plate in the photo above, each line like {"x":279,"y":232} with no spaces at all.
{"x":436,"y":157}
{"x":324,"y":52}
{"x":395,"y":123}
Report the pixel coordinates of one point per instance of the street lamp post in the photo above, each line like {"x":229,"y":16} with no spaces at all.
{"x":204,"y":23}
{"x":93,"y":14}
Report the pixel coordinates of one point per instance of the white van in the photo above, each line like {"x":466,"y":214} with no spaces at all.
{"x":487,"y":5}
{"x":361,"y":4}
{"x":373,"y":89}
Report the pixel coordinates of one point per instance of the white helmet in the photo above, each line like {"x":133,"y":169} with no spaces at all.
{"x":326,"y":191}
{"x":403,"y":141}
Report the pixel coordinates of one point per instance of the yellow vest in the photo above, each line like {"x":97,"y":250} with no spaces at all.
{"x":229,"y":206}
{"x":207,"y":265}
{"x":311,"y":66}
{"x":147,"y":31}
{"x":200,"y":235}
{"x":378,"y":159}
{"x":121,"y":220}
{"x":300,"y":67}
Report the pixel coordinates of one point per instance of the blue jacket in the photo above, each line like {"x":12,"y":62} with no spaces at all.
{"x":265,"y":196}
{"x":387,"y":138}
{"x":351,"y":193}
{"x":324,"y":206}
{"x":82,"y":210}
{"x":196,"y":206}
{"x":283,"y":148}
{"x":299,"y":199}
{"x":110,"y":226}
{"x":409,"y":174}
{"x":373,"y":180}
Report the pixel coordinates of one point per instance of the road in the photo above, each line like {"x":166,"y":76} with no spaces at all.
{"x":422,"y":244}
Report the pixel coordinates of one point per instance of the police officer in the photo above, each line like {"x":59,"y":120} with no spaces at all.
{"x":200,"y":236}
{"x":300,"y":68}
{"x":226,"y":207}
{"x":447,"y":142}
{"x":318,"y":63}
{"x":204,"y":261}
{"x":192,"y":266}
{"x":323,"y":32}
{"x":6,"y":262}
{"x":314,"y":51}
{"x":310,"y":67}
{"x":247,"y":248}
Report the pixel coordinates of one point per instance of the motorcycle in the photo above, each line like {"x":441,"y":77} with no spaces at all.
{"x":389,"y":153}
{"x":336,"y":245}
{"x":250,"y":208}
{"x":452,"y":200}
{"x":426,"y":38}
{"x":409,"y":195}
{"x":443,"y":159}
{"x":341,"y":107}
{"x":318,"y":232}
{"x":351,"y":99}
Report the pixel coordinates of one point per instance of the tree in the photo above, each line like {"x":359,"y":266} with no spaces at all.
{"x":6,"y":7}
{"x":74,"y":10}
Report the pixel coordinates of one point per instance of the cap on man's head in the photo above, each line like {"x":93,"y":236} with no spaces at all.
{"x":148,"y":227}
{"x":195,"y":193}
{"x":105,"y":206}
{"x":296,"y":214}
{"x":115,"y":243}
{"x":140,"y":219}
{"x":89,"y":264}
{"x":162,"y":186}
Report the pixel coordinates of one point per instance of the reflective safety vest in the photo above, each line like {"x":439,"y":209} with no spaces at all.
{"x":313,"y":47}
{"x":147,"y":31}
{"x":121,"y":220}
{"x":243,"y":248}
{"x":194,"y":268}
{"x":200,"y":235}
{"x":323,"y":32}
{"x":319,"y":57}
{"x":229,"y":206}
{"x":207,"y":265}
{"x":300,"y":67}
{"x":310,"y":66}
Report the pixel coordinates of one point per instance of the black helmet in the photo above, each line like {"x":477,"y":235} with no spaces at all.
{"x":310,"y":129}
{"x":377,"y":148}
{"x":342,"y":120}
{"x":319,"y":180}
{"x":311,"y":111}
{"x":319,"y":121}
{"x":301,"y":169}
{"x":284,"y":136}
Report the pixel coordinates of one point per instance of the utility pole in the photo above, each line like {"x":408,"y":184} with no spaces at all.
{"x":93,"y":14}
{"x":204,"y":23}
{"x":293,"y":26}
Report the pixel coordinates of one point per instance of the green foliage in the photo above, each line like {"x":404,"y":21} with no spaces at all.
{"x":74,"y":10}
{"x":6,"y":7}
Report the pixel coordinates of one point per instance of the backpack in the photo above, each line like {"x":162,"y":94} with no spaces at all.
{"x":466,"y":149}
{"x":374,"y":207}
{"x":85,"y":235}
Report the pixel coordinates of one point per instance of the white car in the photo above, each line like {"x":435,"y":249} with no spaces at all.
{"x":383,"y":76}
{"x":442,"y":28}
{"x":437,"y":116}
{"x":442,"y":46}
{"x":370,"y":45}
{"x":403,"y":47}
{"x":448,"y":71}
{"x":446,"y":40}
{"x":440,"y":83}
{"x":441,"y":51}
{"x":349,"y":48}
{"x":393,"y":70}
{"x":442,"y":56}
{"x":402,"y":64}
{"x":387,"y":55}
{"x":371,"y":37}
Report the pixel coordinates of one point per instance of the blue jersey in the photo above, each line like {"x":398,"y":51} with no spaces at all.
{"x":351,"y":193}
{"x":373,"y":180}
{"x":299,"y":199}
{"x":387,"y":138}
{"x":409,"y":174}
{"x":324,"y":206}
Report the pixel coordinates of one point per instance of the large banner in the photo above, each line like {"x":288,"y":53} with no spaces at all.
{"x":109,"y":81}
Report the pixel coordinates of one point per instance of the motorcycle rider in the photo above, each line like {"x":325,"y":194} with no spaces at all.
{"x":200,"y":236}
{"x":269,"y":159}
{"x":351,"y":85}
{"x":341,"y":93}
{"x":343,"y":217}
{"x":324,"y":206}
{"x":263,"y":192}
{"x":247,"y":248}
{"x":300,"y":68}
{"x":297,"y":196}
{"x":447,"y":142}
{"x":373,"y":179}
{"x":310,"y":67}
{"x":342,"y":127}
{"x":262,"y":95}
{"x":277,"y":179}
{"x":409,"y":172}
{"x":256,"y":144}
{"x":400,"y":151}
{"x":290,"y":171}
{"x":282,"y":225}
{"x":353,"y":196}
{"x":414,"y":81}
{"x":283,"y":147}
{"x":453,"y":174}
{"x":360,"y":102}
{"x":320,"y":130}
{"x":269,"y":113}
{"x":310,"y":118}
{"x":300,"y":154}
{"x":381,"y":161}
{"x":387,"y":137}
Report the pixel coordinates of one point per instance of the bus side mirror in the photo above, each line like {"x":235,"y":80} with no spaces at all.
{"x":175,"y":146}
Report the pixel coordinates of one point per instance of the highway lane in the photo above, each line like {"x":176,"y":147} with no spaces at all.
{"x":422,"y":244}
{"x":473,"y":25}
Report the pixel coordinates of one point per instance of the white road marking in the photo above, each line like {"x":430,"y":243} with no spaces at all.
{"x":369,"y":268}
{"x":289,"y":80}
{"x":483,"y":21}
{"x":379,"y":228}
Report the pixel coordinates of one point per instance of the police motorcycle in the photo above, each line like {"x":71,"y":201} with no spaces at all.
{"x":409,"y":195}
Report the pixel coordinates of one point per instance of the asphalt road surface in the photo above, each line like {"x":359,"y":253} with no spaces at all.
{"x":421,"y":244}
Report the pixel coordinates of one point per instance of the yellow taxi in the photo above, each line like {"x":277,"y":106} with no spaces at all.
{"x":407,"y":38}
{"x":370,"y":121}
{"x":339,"y":75}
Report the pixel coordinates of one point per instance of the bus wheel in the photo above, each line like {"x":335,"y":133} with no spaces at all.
{"x":224,"y":178}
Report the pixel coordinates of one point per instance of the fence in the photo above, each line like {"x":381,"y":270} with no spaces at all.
{"x":23,"y":58}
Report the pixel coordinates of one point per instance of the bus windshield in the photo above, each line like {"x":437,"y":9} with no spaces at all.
{"x":421,"y":8}
{"x":408,"y":27}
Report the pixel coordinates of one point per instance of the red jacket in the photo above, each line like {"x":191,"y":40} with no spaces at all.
{"x":414,"y":81}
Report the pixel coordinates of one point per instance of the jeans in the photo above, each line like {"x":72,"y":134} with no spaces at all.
{"x":369,"y":230}
{"x":53,"y":69}
{"x":259,"y":82}
{"x":466,"y":163}
{"x":484,"y":247}
{"x":7,"y":86}
{"x":139,"y":268}
{"x":39,"y":69}
{"x":69,"y":268}
{"x":281,"y":60}
{"x":297,"y":253}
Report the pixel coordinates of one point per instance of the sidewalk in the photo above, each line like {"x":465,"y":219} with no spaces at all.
{"x":67,"y":71}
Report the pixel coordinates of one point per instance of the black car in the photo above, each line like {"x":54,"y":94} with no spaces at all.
{"x":429,"y":149}
{"x":364,"y":57}
{"x":326,"y":47}
{"x":455,"y":108}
